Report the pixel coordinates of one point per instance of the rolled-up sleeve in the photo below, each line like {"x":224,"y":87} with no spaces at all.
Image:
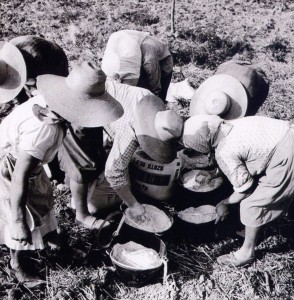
{"x":236,"y":171}
{"x":124,"y":146}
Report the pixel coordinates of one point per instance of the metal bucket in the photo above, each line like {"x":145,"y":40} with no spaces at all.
{"x":134,"y":277}
{"x":127,"y":228}
{"x":201,"y":231}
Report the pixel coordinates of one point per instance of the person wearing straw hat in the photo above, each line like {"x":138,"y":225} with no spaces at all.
{"x":30,"y":136}
{"x":134,"y":57}
{"x":236,"y":89}
{"x":41,"y":57}
{"x":253,"y":79}
{"x":146,"y":124}
{"x":136,"y":128}
{"x":221,"y":95}
{"x":256,"y":155}
{"x":90,"y":172}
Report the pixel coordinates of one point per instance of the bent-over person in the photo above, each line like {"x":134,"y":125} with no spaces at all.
{"x":256,"y":154}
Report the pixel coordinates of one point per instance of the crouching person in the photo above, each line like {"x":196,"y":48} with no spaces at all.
{"x":82,"y":157}
{"x":138,"y":59}
{"x":29,"y":137}
{"x":146,"y":124}
{"x":256,"y":154}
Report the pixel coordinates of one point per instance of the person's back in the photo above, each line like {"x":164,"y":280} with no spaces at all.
{"x":252,"y":139}
{"x":128,"y":96}
{"x":135,"y":58}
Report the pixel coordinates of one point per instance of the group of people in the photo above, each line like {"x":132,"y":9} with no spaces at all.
{"x":63,"y":117}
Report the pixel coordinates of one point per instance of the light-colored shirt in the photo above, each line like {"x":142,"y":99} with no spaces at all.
{"x":123,"y":55}
{"x":21,"y":129}
{"x":246,"y":150}
{"x":122,"y":132}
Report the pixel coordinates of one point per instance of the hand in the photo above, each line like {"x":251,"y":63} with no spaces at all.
{"x":20,"y":232}
{"x":137,"y":210}
{"x":222,"y":211}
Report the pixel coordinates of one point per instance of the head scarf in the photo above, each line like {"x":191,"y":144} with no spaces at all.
{"x":200,"y":132}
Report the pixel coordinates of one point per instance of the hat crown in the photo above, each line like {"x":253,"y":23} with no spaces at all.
{"x":169,"y":125}
{"x":217,"y":103}
{"x":87,"y":79}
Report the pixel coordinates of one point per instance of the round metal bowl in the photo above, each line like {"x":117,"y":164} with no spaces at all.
{"x":197,"y":230}
{"x":131,"y":276}
{"x":200,"y":181}
{"x":129,"y":222}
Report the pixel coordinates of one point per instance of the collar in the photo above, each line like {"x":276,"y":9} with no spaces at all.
{"x":224,"y":130}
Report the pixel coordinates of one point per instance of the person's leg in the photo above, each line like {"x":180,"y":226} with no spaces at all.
{"x":246,"y":254}
{"x":15,"y":259}
{"x":83,"y":216}
{"x":22,"y":273}
{"x":248,"y":248}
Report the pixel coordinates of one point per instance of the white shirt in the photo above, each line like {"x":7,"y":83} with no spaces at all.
{"x":21,"y":129}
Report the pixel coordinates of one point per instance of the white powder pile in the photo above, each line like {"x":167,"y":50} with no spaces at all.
{"x":133,"y":255}
{"x":194,"y":180}
{"x":154,"y":219}
{"x":198,"y":215}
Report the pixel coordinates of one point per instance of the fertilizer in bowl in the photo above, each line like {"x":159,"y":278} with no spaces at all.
{"x":194,"y":180}
{"x":136,"y":256}
{"x":198,"y":215}
{"x":154,"y":220}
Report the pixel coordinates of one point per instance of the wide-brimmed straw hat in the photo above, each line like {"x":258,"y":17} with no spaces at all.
{"x":80,"y":98}
{"x":12,"y":72}
{"x":221,"y":95}
{"x":157,"y":129}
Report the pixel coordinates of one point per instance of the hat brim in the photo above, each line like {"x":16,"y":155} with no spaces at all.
{"x":78,"y":108}
{"x":227,"y":84}
{"x":16,"y":72}
{"x":146,"y":132}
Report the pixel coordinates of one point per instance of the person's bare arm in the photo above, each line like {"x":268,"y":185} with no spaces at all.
{"x":25,"y":164}
{"x":128,"y":198}
{"x":222,"y":209}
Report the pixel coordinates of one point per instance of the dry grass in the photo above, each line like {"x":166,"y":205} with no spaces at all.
{"x":207,"y":33}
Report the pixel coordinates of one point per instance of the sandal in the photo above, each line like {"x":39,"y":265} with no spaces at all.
{"x":230,"y":259}
{"x":95,"y":224}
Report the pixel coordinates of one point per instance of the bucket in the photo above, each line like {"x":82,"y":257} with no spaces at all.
{"x":134,"y":277}
{"x":200,"y":227}
{"x":153,"y":179}
{"x":127,"y":228}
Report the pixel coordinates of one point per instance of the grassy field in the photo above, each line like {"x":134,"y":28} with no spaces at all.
{"x":207,"y":33}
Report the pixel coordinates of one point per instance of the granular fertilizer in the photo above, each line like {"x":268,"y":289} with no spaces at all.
{"x":194,"y":180}
{"x":198,"y":215}
{"x":154,"y":219}
{"x":133,"y":255}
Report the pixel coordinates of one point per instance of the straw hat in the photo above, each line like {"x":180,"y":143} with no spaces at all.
{"x":221,"y":95}
{"x":157,"y":129}
{"x":80,"y":98}
{"x":12,"y":72}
